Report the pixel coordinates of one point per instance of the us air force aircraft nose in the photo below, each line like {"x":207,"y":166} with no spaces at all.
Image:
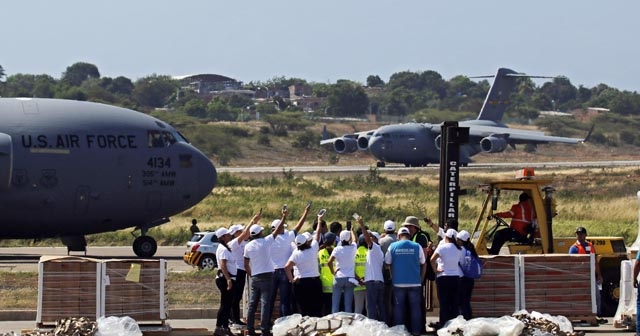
{"x":207,"y":176}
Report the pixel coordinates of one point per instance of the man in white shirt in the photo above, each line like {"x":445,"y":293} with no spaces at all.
{"x":281,"y":250}
{"x":257,"y":263}
{"x":373,"y":279}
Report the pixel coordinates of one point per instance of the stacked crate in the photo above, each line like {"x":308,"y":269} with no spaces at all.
{"x":496,"y":292}
{"x":85,"y":287}
{"x":556,"y":284}
{"x":135,"y":288}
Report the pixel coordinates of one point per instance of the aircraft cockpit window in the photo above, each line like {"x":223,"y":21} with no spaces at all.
{"x":169,"y":139}
{"x":181,"y":138}
{"x":160,"y":139}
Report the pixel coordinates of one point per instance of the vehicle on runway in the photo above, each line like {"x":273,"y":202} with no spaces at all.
{"x":418,"y":144}
{"x":71,"y":168}
{"x":201,"y":250}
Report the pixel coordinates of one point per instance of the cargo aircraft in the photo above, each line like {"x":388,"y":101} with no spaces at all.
{"x":71,"y":168}
{"x":418,"y":144}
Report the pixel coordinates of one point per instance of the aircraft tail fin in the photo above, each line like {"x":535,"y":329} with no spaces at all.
{"x":497,"y":99}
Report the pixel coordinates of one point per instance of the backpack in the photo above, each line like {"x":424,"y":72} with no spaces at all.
{"x":472,"y":266}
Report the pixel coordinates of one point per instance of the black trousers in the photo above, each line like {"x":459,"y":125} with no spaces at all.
{"x":226,"y":298}
{"x":502,"y":236}
{"x":238,"y":286}
{"x":448,"y":295}
{"x":465,"y":290}
{"x":308,"y":293}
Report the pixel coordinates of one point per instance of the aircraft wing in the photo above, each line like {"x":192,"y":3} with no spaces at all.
{"x":349,"y":143}
{"x":520,"y":136}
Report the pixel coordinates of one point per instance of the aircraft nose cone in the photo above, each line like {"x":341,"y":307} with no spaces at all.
{"x":207,"y":176}
{"x":375,"y":146}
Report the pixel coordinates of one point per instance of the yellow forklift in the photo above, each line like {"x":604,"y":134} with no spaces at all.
{"x":610,"y":250}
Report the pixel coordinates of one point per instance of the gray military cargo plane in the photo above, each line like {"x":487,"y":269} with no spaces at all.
{"x":418,"y":144}
{"x":70,"y":168}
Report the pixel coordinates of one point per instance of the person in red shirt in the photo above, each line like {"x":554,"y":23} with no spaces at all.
{"x":522,"y":217}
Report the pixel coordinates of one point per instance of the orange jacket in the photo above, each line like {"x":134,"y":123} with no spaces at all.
{"x":581,"y":249}
{"x":521,"y":214}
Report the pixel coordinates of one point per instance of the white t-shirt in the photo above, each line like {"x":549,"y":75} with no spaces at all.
{"x":373,"y":267}
{"x":306,"y":261}
{"x":282,"y":248}
{"x":238,"y":252}
{"x":449,"y":259}
{"x":259,"y":253}
{"x":222,"y":253}
{"x":345,"y":260}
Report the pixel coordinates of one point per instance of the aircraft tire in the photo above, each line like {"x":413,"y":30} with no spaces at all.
{"x":380,"y":164}
{"x":145,"y":246}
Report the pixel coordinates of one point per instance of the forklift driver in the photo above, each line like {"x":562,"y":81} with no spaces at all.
{"x":522,"y":217}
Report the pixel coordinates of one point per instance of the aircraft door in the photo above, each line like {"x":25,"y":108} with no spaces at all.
{"x":6,"y":161}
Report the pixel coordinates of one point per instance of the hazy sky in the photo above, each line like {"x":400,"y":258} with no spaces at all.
{"x":588,"y":41}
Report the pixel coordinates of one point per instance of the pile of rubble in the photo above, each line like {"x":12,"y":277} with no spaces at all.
{"x":334,"y":325}
{"x":520,"y":323}
{"x":82,"y":326}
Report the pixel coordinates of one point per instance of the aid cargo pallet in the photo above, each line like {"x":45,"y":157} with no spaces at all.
{"x":555,"y":284}
{"x":79,"y":286}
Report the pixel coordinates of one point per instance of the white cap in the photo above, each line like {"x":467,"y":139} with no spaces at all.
{"x":275,"y":223}
{"x":255,"y":229}
{"x":389,"y":226}
{"x":463,"y":235}
{"x":404,"y":230}
{"x":307,"y":235}
{"x":451,"y":233}
{"x":301,"y":240}
{"x":221,"y":232}
{"x":375,"y":234}
{"x":345,"y":235}
{"x":235,"y":228}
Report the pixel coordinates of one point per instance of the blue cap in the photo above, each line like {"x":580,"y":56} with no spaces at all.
{"x":330,"y":237}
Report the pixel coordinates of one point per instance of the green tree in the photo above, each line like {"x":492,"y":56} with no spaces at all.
{"x":22,"y":85}
{"x":374,"y":81}
{"x":561,"y":92}
{"x":79,"y":72}
{"x":433,"y":82}
{"x":218,"y":110}
{"x":407,"y":80}
{"x":2,"y":73}
{"x":195,"y":108}
{"x":347,"y":98}
{"x":154,"y":90}
{"x":283,"y":122}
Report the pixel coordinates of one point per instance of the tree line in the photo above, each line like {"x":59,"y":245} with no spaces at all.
{"x":422,"y":96}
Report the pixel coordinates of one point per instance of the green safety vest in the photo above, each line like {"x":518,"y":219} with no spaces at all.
{"x":326,"y":277}
{"x":361,"y":262}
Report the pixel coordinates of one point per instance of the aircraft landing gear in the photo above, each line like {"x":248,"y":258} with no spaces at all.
{"x":380,"y":164}
{"x":144,"y":246}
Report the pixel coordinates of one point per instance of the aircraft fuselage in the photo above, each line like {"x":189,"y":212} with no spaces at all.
{"x":73,"y":168}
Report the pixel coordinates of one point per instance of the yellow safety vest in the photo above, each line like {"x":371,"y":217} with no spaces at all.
{"x":326,"y":277}
{"x":361,"y":262}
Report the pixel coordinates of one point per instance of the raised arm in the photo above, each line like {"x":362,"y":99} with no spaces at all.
{"x":298,"y":226}
{"x":282,"y":221}
{"x":316,"y":236}
{"x":247,"y":229}
{"x":365,"y":232}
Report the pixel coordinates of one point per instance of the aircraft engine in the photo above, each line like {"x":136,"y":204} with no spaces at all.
{"x":493,"y":144}
{"x":437,"y":142}
{"x":363,"y":142}
{"x":345,"y":145}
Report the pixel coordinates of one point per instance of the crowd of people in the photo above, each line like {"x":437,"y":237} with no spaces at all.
{"x":340,"y":268}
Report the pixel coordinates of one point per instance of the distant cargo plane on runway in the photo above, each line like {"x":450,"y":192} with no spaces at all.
{"x":418,"y":144}
{"x":70,"y":168}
